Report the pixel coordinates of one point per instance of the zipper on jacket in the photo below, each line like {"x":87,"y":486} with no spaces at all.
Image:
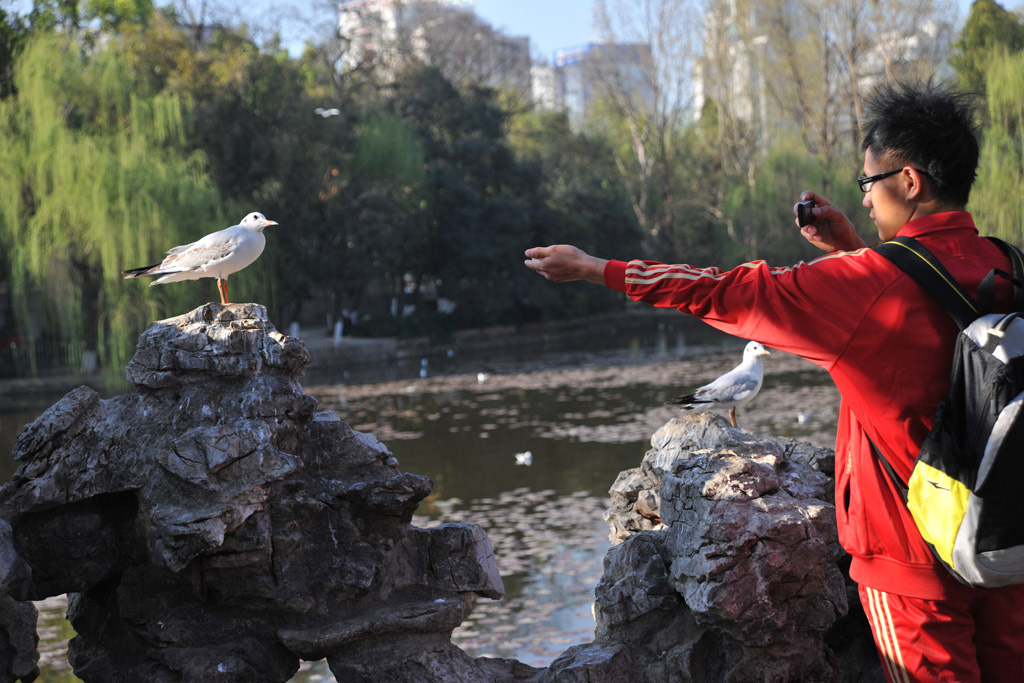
{"x":846,"y":488}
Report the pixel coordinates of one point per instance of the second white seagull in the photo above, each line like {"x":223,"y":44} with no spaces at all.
{"x":218,"y":255}
{"x":732,"y":389}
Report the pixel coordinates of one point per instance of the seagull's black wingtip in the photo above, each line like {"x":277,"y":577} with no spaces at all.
{"x":139,"y":272}
{"x":680,"y":400}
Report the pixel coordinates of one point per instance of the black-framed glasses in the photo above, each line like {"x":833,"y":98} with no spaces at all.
{"x":866,"y":182}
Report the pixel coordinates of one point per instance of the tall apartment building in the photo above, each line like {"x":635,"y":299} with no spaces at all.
{"x":897,"y":52}
{"x":444,"y":33}
{"x":582,"y":75}
{"x":736,"y":58}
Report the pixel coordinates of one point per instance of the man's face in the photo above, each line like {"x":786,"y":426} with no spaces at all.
{"x":886,"y":198}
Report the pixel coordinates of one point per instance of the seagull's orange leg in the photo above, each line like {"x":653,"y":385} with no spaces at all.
{"x":732,"y":417}
{"x":222,"y":287}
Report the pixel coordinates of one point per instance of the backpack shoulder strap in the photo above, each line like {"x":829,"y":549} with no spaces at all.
{"x":1017,"y":280}
{"x":915,"y":260}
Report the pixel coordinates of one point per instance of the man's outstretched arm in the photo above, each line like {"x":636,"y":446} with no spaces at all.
{"x":565,"y":263}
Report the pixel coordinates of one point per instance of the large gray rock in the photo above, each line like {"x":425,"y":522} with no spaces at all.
{"x":726,"y":567}
{"x":213,"y":526}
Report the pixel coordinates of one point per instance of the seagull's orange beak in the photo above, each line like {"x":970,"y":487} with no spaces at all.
{"x":266,"y":223}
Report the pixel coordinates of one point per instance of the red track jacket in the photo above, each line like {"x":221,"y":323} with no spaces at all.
{"x":888,"y":346}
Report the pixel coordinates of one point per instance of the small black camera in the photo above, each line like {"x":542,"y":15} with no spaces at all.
{"x":803,"y":213}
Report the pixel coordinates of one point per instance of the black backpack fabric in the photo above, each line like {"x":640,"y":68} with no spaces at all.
{"x":965,"y":489}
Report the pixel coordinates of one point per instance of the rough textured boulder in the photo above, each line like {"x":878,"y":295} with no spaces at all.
{"x":213,"y":526}
{"x":725,"y":569}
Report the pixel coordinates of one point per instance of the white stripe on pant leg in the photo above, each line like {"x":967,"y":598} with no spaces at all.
{"x":895,"y":642}
{"x":881,"y":636}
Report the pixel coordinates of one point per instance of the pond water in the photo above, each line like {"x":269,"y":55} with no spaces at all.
{"x":583,"y":418}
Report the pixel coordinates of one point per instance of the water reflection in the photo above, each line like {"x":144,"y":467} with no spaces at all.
{"x":583,"y":424}
{"x":549,"y":548}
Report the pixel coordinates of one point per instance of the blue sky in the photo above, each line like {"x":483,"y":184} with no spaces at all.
{"x":551,"y":24}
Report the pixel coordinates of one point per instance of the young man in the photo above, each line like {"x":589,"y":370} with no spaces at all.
{"x":888,"y":346}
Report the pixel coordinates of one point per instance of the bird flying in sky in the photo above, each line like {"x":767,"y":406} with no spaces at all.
{"x":732,"y":389}
{"x":218,"y":255}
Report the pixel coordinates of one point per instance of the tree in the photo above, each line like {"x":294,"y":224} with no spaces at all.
{"x":584,"y":203}
{"x":813,"y":80}
{"x":114,"y":14}
{"x":784,"y":97}
{"x":989,"y":31}
{"x":643,"y":72}
{"x":997,"y":200}
{"x":95,"y":180}
{"x":477,"y":200}
{"x":12,"y":33}
{"x":763,"y":211}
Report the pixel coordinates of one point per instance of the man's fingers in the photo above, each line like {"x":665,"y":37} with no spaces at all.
{"x":538,"y":252}
{"x":535,"y":259}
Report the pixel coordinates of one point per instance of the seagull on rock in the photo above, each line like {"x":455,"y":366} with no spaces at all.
{"x":732,"y":389}
{"x":217,"y":255}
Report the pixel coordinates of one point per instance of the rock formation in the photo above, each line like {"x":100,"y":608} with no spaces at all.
{"x":212,"y":526}
{"x":726,"y":567}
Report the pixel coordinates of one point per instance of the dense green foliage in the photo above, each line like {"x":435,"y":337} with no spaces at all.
{"x":94,"y":175}
{"x":125,"y":133}
{"x":998,"y":197}
{"x":990,"y":31}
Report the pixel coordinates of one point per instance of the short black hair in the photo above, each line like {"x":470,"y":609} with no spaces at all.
{"x":929,"y":127}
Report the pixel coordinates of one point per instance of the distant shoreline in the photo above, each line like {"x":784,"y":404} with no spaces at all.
{"x":368,"y":360}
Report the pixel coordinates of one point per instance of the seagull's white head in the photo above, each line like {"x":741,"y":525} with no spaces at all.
{"x":754,"y":350}
{"x":256,"y":221}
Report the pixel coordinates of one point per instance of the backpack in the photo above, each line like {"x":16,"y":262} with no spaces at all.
{"x":964,"y":492}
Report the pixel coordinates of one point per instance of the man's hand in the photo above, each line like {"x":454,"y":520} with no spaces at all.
{"x":831,"y":230}
{"x":565,"y":263}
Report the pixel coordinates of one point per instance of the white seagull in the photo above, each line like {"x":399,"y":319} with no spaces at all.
{"x":217,"y":255}
{"x":732,"y":389}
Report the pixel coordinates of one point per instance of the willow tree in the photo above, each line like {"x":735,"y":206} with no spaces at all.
{"x":93,"y":180}
{"x":998,"y":197}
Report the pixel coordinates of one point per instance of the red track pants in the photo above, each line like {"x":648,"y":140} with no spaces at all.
{"x":975,"y":637}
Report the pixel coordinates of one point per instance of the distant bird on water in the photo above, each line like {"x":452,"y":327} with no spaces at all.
{"x":218,"y":255}
{"x":732,"y":389}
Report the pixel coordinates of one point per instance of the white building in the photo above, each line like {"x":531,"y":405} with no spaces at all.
{"x":544,"y":87}
{"x":582,"y":75}
{"x":897,"y":52}
{"x":736,"y":54}
{"x":444,"y":33}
